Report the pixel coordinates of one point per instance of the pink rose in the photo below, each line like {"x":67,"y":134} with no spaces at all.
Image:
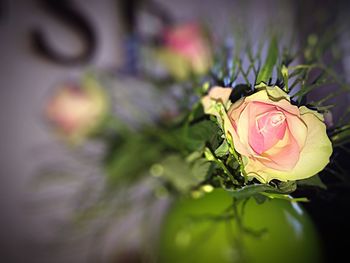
{"x":76,"y":111}
{"x":186,"y":50}
{"x":276,"y":139}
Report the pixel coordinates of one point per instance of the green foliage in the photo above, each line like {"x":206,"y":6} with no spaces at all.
{"x":284,"y":73}
{"x":189,"y":138}
{"x":192,"y":150}
{"x":128,"y":161}
{"x":270,"y":62}
{"x":341,"y":136}
{"x":257,"y":189}
{"x":222,"y":150}
{"x":197,"y":135}
{"x":181,"y":174}
{"x":137,"y":152}
{"x":314,"y":181}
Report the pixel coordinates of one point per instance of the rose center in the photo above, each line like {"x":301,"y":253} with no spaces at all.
{"x":269,"y":121}
{"x":269,"y":129}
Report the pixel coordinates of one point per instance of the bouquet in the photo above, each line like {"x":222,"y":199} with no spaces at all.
{"x":240,"y":139}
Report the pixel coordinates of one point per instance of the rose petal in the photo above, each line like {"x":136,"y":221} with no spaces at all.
{"x":298,"y":128}
{"x":275,"y":96}
{"x":231,"y":126}
{"x":215,"y":95}
{"x":284,"y":155}
{"x":255,"y":138}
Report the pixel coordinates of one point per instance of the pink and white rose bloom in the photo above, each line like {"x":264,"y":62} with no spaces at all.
{"x":186,"y":50}
{"x":76,"y":111}
{"x":276,"y":139}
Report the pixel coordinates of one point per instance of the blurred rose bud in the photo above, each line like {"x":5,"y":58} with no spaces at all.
{"x":186,"y":51}
{"x":77,"y":111}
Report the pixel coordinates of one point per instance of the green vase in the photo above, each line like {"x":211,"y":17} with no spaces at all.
{"x":199,"y":230}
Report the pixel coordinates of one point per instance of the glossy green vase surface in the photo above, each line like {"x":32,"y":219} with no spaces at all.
{"x":207,"y":230}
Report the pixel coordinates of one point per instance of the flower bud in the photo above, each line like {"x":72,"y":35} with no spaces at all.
{"x":186,"y":51}
{"x":76,"y":111}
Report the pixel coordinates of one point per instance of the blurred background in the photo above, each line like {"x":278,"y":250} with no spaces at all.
{"x":47,"y":42}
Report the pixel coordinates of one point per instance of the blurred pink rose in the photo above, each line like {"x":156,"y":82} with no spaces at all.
{"x":186,"y":50}
{"x":76,"y":111}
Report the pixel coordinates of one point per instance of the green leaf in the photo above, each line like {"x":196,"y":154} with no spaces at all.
{"x":285,"y":197}
{"x":341,"y":137}
{"x":304,"y":90}
{"x":286,"y":187}
{"x":194,"y":156}
{"x":284,"y":72}
{"x":260,"y":198}
{"x":200,"y":168}
{"x":197,"y":112}
{"x":312,"y":181}
{"x":197,"y":135}
{"x":271,"y":59}
{"x":209,"y":155}
{"x":251,"y":190}
{"x":180,"y":173}
{"x":248,"y":191}
{"x":172,"y":139}
{"x":203,"y":130}
{"x":222,"y":150}
{"x":131,"y":159}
